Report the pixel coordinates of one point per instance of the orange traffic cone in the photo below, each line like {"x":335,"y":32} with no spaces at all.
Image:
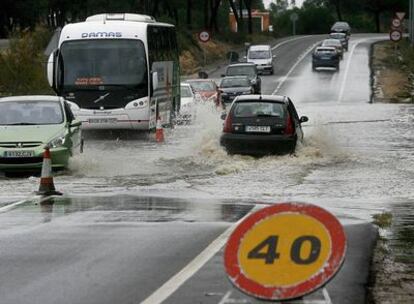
{"x":159,"y":131}
{"x":47,"y":187}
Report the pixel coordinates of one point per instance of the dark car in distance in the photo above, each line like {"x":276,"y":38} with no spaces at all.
{"x":325,"y":56}
{"x":246,"y":69}
{"x":261,"y":125}
{"x":342,"y":38}
{"x":341,"y":27}
{"x":233,"y":86}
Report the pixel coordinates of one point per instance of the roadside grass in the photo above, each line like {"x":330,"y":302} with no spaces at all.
{"x":382,"y":220}
{"x":394,"y":66}
{"x":195,"y":54}
{"x":23,"y":69}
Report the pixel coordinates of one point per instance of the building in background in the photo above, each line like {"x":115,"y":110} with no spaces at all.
{"x":261,"y":21}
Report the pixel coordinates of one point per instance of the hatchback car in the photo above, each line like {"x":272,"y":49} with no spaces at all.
{"x":336,"y":44}
{"x":246,"y":69}
{"x":325,"y":57}
{"x":233,"y":86}
{"x":261,"y":125}
{"x":30,"y":123}
{"x":207,"y":89}
{"x":342,"y":38}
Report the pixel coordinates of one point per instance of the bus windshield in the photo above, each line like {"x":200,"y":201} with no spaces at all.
{"x":104,"y":62}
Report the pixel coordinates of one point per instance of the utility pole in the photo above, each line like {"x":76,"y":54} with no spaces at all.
{"x":411,"y":24}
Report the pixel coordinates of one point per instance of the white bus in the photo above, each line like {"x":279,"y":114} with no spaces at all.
{"x":118,"y":71}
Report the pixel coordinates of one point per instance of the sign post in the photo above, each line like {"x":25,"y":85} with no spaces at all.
{"x":294,"y":17}
{"x":204,"y":37}
{"x":285,"y":251}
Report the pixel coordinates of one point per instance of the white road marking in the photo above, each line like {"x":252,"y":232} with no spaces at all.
{"x":326,"y":296}
{"x":348,"y":64}
{"x":16,"y":204}
{"x":169,"y":287}
{"x":284,"y":78}
{"x":289,"y":40}
{"x":326,"y":299}
{"x":227,"y":300}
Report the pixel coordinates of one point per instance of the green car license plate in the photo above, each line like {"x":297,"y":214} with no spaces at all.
{"x":102,"y":120}
{"x":19,"y":153}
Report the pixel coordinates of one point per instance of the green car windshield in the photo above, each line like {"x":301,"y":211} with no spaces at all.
{"x":14,"y":113}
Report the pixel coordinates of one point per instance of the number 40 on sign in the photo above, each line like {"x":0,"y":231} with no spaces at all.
{"x":285,"y":251}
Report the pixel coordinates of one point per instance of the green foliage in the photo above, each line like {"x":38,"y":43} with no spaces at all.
{"x":312,"y":20}
{"x":23,"y":64}
{"x":383,"y":220}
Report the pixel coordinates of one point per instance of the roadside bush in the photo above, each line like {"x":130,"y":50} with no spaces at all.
{"x":23,"y":69}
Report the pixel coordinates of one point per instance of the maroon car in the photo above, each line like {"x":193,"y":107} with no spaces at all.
{"x":207,"y":89}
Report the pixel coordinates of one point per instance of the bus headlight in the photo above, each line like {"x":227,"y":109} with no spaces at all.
{"x":138,"y":103}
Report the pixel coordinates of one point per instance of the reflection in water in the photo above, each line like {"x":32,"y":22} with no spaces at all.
{"x":401,"y":240}
{"x":127,"y":208}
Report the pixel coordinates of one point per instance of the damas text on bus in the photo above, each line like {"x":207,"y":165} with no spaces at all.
{"x":102,"y":35}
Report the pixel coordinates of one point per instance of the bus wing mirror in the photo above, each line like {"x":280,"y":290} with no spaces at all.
{"x":154,"y":81}
{"x":51,"y":69}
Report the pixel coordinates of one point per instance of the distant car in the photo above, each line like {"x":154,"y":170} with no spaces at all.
{"x":341,"y":37}
{"x":188,"y":104}
{"x":262,"y":57}
{"x":246,"y":69}
{"x":336,"y":44}
{"x":325,"y":57}
{"x":30,"y":123}
{"x":207,"y":88}
{"x":233,"y":86}
{"x":341,"y":27}
{"x":261,"y":125}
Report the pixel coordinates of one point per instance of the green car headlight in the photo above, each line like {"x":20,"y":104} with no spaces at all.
{"x":57,"y":142}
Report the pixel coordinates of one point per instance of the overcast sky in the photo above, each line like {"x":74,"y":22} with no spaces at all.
{"x":267,"y":2}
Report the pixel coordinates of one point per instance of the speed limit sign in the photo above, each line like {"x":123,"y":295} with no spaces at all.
{"x":285,"y":251}
{"x":396,"y":23}
{"x":204,"y":36}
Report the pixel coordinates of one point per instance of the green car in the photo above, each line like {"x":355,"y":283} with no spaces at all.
{"x":28,"y":124}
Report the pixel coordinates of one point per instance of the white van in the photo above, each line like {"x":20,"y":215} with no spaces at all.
{"x":262,"y":57}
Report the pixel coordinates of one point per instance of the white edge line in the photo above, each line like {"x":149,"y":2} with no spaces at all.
{"x":16,"y":204}
{"x":284,"y":78}
{"x":348,"y":64}
{"x":169,"y":287}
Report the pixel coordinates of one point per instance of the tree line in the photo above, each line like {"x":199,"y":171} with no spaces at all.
{"x":190,"y":14}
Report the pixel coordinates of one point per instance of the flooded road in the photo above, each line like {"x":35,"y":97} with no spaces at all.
{"x":357,"y":156}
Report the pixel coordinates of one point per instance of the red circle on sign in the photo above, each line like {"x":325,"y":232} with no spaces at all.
{"x":326,"y":273}
{"x":396,"y":23}
{"x":204,"y":36}
{"x":395,"y":35}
